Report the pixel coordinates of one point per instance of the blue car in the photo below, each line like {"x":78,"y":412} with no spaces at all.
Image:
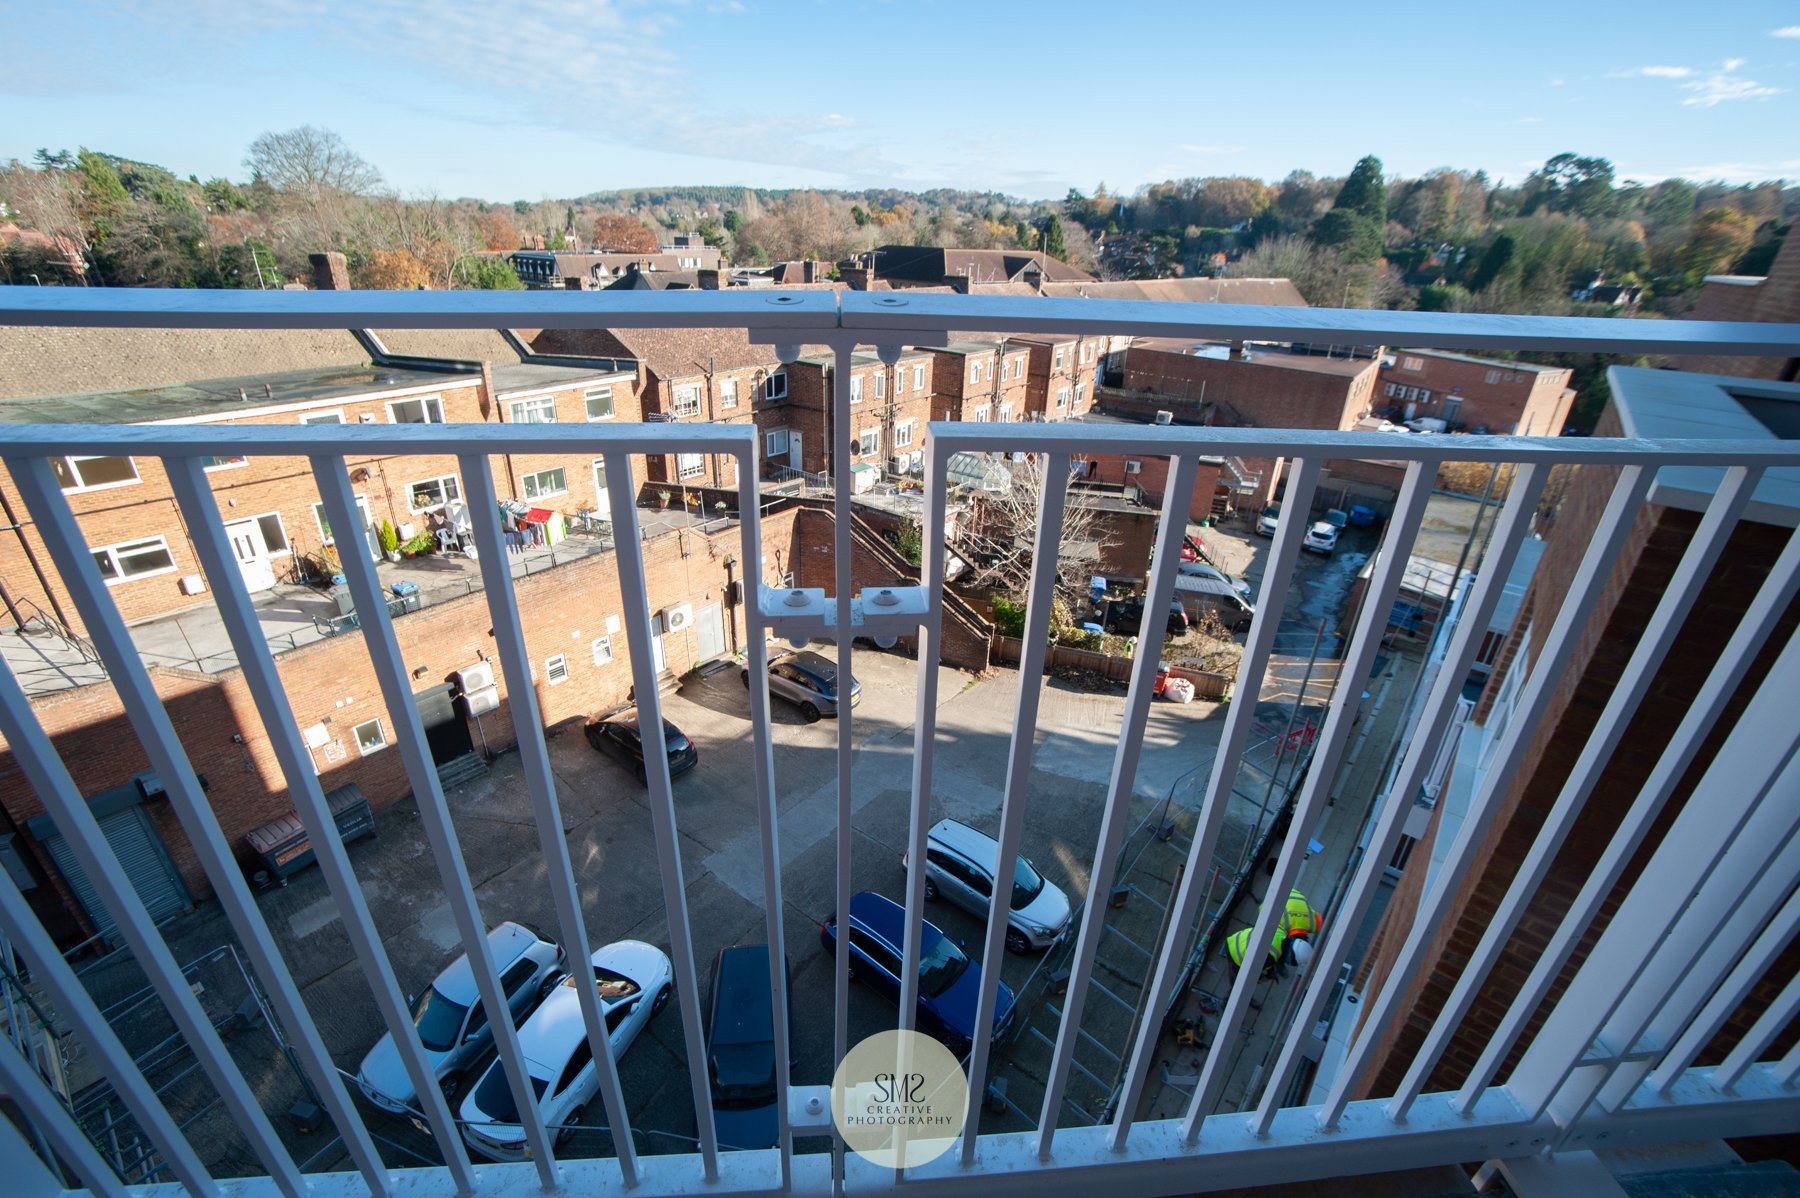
{"x":949,"y":983}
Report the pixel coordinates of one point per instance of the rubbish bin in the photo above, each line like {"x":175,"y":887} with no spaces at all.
{"x":282,"y":848}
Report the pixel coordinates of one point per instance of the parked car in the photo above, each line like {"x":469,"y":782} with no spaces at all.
{"x":617,"y":735}
{"x":1125,"y":617}
{"x":808,"y":680}
{"x":633,"y":979}
{"x":1269,"y":520}
{"x":1203,"y":570}
{"x":949,"y":983}
{"x":453,"y":1025}
{"x":960,"y":864}
{"x":1321,"y":538}
{"x":1337,"y":517}
{"x":740,"y":1048}
{"x":1202,"y":595}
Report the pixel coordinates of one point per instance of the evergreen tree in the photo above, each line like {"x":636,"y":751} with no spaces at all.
{"x":1494,"y":263}
{"x":1365,"y":193}
{"x":1053,"y":239}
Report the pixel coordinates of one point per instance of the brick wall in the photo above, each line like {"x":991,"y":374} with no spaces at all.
{"x":1497,"y":397}
{"x":1617,"y":623}
{"x":1268,"y":390}
{"x":1775,"y":298}
{"x":1152,"y":478}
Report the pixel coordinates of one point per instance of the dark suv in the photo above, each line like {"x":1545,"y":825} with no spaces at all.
{"x":1125,"y":617}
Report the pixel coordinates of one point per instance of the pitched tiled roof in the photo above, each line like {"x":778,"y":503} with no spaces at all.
{"x":460,"y":345}
{"x":667,"y":353}
{"x":75,"y":361}
{"x":1275,"y":292}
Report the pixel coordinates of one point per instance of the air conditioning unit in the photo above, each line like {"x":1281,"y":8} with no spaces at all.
{"x":678,"y":617}
{"x":1165,"y":417}
{"x":897,"y":465}
{"x":474,"y":678}
{"x":480,"y":702}
{"x":1133,"y":466}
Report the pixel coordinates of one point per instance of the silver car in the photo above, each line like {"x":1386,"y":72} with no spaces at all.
{"x":452,"y":1023}
{"x":960,"y":864}
{"x":808,"y":680}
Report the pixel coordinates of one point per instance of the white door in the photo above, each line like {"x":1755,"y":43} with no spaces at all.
{"x":252,"y":555}
{"x":796,"y":459}
{"x":603,"y":504}
{"x":709,"y":632}
{"x":656,"y":654}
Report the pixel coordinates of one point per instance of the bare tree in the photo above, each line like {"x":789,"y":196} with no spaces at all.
{"x":314,"y":172}
{"x":1008,"y":524}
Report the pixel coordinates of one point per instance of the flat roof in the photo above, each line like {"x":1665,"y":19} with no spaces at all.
{"x":1253,"y":356}
{"x":221,"y":397}
{"x":1669,"y":404}
{"x":1471,"y":359}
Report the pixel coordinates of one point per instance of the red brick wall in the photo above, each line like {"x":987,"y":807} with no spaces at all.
{"x":718,"y":404}
{"x":1496,"y":396}
{"x":1267,"y":393}
{"x":1776,"y":298}
{"x":1152,"y":478}
{"x":331,"y":681}
{"x":1617,"y":623}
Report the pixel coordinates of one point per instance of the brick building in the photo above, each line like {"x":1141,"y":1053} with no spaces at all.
{"x":1267,"y":389}
{"x":1063,"y":372}
{"x":1481,"y":395}
{"x":270,"y":505}
{"x":889,"y":405}
{"x":1645,"y":403}
{"x":1775,"y":298}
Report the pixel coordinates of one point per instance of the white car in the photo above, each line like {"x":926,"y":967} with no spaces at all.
{"x":1269,"y":520}
{"x":453,"y":1025}
{"x":634,"y":981}
{"x":960,"y":864}
{"x":1321,"y":537}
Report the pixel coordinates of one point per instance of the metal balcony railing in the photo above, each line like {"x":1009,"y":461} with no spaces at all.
{"x":1613,"y":1063}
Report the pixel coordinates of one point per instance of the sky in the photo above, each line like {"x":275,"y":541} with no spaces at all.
{"x":542,"y":99}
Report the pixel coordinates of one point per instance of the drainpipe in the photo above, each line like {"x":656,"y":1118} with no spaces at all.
{"x":18,"y":530}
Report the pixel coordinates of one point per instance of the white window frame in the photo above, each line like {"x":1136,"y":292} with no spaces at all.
{"x":881,"y":384}
{"x":113,"y":562}
{"x":685,"y":399}
{"x":868,"y":443}
{"x":365,"y":748}
{"x":328,"y":416}
{"x":455,"y":485}
{"x":591,"y":394}
{"x":223,"y":463}
{"x":1062,"y":397}
{"x":1080,"y":393}
{"x":975,"y":371}
{"x":1060,"y":350}
{"x":1005,"y":413}
{"x":1412,"y":363}
{"x":899,"y":380}
{"x":918,"y":378}
{"x":602,"y":650}
{"x":772,"y":437}
{"x":526,"y":483}
{"x":426,"y":405}
{"x":776,"y":385}
{"x":556,"y":669}
{"x":903,"y":433}
{"x":536,"y":409}
{"x":287,"y":546}
{"x":70,"y":468}
{"x":1493,"y":376}
{"x":690,"y":465}
{"x":728,"y":394}
{"x":856,"y":390}
{"x":983,"y":414}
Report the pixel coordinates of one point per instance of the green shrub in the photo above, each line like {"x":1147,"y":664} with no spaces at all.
{"x":1009,"y":617}
{"x":389,"y":539}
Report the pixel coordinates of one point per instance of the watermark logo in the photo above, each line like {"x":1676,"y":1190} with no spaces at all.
{"x":899,"y":1099}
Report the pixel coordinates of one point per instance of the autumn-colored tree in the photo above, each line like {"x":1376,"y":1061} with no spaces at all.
{"x":614,"y":234}
{"x":394,"y":270}
{"x":497,"y":230}
{"x":1716,"y":239}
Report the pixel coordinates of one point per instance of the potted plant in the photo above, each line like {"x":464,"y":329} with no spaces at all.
{"x":389,"y":540}
{"x":665,"y":496}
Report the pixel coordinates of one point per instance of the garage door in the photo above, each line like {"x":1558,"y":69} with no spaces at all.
{"x":140,"y":852}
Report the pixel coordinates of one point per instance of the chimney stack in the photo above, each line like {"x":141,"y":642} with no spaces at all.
{"x":709,"y":280}
{"x":858,"y":278}
{"x":330,"y":271}
{"x":574,"y":283}
{"x":958,"y":283}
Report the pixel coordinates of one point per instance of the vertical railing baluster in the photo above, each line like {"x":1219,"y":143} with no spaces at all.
{"x":1046,"y":557}
{"x":428,"y":793}
{"x":621,"y":488}
{"x":1302,"y":484}
{"x":50,"y":1118}
{"x":1750,"y":968}
{"x":540,"y":785}
{"x":1119,"y":791}
{"x":756,"y":661}
{"x":844,"y":357}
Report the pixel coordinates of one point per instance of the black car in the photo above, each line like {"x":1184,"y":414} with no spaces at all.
{"x":1125,"y":617}
{"x":740,"y":1048}
{"x":616,"y":734}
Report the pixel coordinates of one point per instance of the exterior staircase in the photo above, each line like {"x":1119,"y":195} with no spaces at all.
{"x":455,"y":772}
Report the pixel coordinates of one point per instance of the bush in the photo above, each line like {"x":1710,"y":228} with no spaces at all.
{"x":1009,"y":617}
{"x":423,"y":543}
{"x":389,"y":539}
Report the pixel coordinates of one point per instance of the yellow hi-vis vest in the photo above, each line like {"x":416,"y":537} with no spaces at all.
{"x":1300,"y":919}
{"x":1238,"y":942}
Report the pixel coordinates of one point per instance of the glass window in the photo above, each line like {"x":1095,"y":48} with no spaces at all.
{"x":87,"y":474}
{"x":983,"y":413}
{"x":600,"y":403}
{"x":556,"y":669}
{"x":690,"y":465}
{"x":1005,"y":413}
{"x":515,"y":977}
{"x":869,"y":442}
{"x":429,"y":410}
{"x":727,"y":393}
{"x":687,"y":400}
{"x":223,"y":463}
{"x":1062,"y":397}
{"x":335,"y":416}
{"x":876,"y":950}
{"x":856,"y":390}
{"x":903,"y":433}
{"x":134,"y":559}
{"x":775,"y":441}
{"x":273,"y":534}
{"x":603,"y":651}
{"x":974,"y":372}
{"x":881,"y":384}
{"x":918,"y":378}
{"x":370,"y":738}
{"x":438,"y":1020}
{"x":581,"y":1059}
{"x":539,"y":410}
{"x":432,"y":492}
{"x":775,"y":386}
{"x":545,"y":483}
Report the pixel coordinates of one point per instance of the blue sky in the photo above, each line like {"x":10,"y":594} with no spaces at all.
{"x":550,"y":98}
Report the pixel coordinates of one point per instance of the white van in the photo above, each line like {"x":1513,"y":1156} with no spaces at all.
{"x":1203,"y":594}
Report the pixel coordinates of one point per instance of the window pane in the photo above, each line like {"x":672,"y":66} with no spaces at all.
{"x":369,"y":737}
{"x":273,"y":535}
{"x":600,"y":403}
{"x":603,"y":651}
{"x":143,"y":557}
{"x":93,"y":472}
{"x":104,"y":560}
{"x":323,"y":418}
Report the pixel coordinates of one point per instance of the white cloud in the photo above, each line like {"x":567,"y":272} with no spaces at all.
{"x":1742,"y":172}
{"x":1721,"y":86}
{"x":1653,"y":72}
{"x":1732,"y":64}
{"x":1786,"y":31}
